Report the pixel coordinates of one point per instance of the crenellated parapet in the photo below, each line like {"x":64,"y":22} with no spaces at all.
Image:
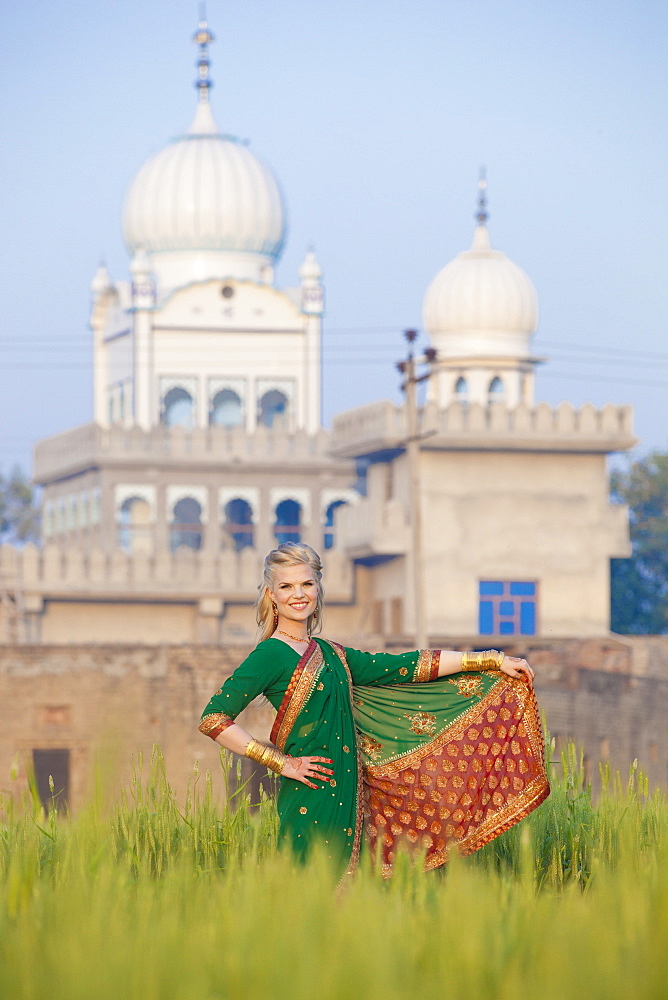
{"x":381,"y":428}
{"x":91,"y":446}
{"x":60,"y":572}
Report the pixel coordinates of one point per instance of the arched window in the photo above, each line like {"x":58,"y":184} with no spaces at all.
{"x":329,"y":522}
{"x":272,"y":405}
{"x":134,"y":525}
{"x":226,"y":409}
{"x":288,"y":518}
{"x":496,"y":390}
{"x":178,"y":408}
{"x":239,"y":523}
{"x":186,"y":527}
{"x":461,"y":390}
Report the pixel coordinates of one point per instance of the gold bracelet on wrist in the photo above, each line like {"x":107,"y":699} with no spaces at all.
{"x":269,"y":757}
{"x":488,"y":659}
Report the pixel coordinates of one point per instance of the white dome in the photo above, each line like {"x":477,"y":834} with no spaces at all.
{"x":205,"y":197}
{"x":481,"y":303}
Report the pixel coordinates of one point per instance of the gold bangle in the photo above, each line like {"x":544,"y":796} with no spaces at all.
{"x":488,"y":659}
{"x":268,"y":756}
{"x":492,"y":659}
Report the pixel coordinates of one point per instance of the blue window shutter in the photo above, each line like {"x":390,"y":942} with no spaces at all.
{"x":528,"y":618}
{"x":486,"y":618}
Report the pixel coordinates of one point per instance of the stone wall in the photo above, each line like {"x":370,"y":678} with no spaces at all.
{"x":109,"y":701}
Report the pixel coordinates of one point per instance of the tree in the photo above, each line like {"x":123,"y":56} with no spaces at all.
{"x":639,"y":585}
{"x":19,"y":510}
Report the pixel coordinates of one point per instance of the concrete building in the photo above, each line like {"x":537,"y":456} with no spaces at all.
{"x":519,"y":530}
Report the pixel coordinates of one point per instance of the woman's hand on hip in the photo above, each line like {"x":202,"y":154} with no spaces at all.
{"x":304,"y":768}
{"x":515,"y":666}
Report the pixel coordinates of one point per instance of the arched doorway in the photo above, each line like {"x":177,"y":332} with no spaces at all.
{"x":226,"y":409}
{"x":288,"y":522}
{"x":186,"y":528}
{"x":178,"y":409}
{"x":239,"y":523}
{"x":273,"y":404}
{"x":134,"y":525}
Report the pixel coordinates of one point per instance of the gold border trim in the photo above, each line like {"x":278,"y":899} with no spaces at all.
{"x":452,"y":732}
{"x":303,"y":691}
{"x":214,"y":723}
{"x":422,"y":671}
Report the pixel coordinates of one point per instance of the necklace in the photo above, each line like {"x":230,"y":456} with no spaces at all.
{"x":295,"y":638}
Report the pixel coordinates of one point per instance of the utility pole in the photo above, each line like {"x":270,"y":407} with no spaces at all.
{"x":415,"y":576}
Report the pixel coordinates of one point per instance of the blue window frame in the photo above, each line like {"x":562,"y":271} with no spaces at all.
{"x":507,"y":607}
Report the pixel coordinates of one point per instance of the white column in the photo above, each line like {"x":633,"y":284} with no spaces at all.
{"x":102,"y":290}
{"x":143,"y":300}
{"x":143,"y":370}
{"x":312,"y":377}
{"x":313,"y":307}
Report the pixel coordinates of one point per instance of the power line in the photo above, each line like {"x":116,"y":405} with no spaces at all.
{"x":41,"y":342}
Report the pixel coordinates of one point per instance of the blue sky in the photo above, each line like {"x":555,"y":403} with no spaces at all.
{"x":376,"y":117}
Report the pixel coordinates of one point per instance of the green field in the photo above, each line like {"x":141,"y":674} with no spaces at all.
{"x":155,"y":899}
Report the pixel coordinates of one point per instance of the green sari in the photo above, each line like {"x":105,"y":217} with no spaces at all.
{"x":387,"y":740}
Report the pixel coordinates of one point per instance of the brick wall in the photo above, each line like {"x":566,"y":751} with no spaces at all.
{"x":108,"y":701}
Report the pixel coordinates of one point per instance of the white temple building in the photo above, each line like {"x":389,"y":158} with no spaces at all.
{"x":206,"y":446}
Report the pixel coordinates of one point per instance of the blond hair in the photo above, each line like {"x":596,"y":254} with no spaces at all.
{"x":287,"y":554}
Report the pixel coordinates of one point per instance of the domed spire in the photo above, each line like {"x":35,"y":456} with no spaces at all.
{"x":481,"y":303}
{"x":205,"y":206}
{"x":203,"y":123}
{"x":481,"y":311}
{"x":203,"y":37}
{"x":481,"y":234}
{"x":482,"y":215}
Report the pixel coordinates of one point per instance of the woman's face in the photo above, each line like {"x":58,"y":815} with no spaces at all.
{"x":295,"y":592}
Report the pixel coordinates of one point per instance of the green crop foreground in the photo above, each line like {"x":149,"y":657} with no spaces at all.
{"x":151,"y":899}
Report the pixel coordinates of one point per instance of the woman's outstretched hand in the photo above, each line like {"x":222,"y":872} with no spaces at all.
{"x":303,"y":768}
{"x":515,"y":666}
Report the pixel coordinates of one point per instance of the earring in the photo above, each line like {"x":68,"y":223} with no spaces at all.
{"x":315,"y":616}
{"x":275,"y":609}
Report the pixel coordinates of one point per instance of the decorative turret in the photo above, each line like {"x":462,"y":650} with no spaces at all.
{"x":313,"y":293}
{"x":143,"y":282}
{"x":101,"y":282}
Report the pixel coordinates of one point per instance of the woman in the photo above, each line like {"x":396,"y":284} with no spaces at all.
{"x":458,"y":759}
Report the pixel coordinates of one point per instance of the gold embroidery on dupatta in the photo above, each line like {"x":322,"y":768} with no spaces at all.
{"x":469,"y":687}
{"x":372,"y":748}
{"x":302,"y":693}
{"x":422,"y":723}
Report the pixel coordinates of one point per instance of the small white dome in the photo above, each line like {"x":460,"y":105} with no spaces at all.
{"x":481,"y":303}
{"x":205,"y":196}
